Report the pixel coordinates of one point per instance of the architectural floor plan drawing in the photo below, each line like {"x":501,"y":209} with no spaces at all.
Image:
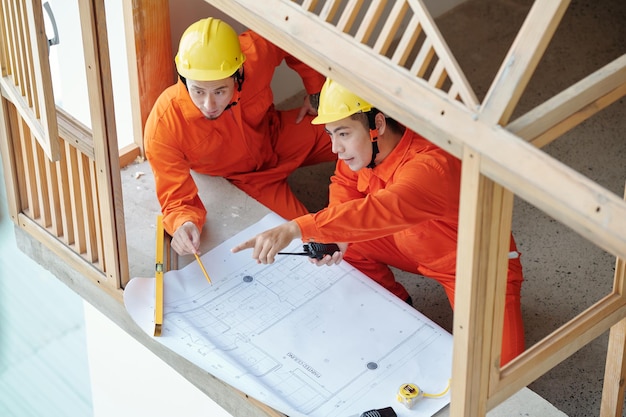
{"x":306,"y":340}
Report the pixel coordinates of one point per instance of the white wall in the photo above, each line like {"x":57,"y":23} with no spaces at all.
{"x":68,"y":69}
{"x":67,"y":61}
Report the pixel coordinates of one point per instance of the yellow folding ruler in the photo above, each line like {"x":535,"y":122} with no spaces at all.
{"x":158,"y":285}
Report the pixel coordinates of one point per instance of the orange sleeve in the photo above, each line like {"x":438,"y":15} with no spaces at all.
{"x":273,"y":56}
{"x":175,"y":188}
{"x":421,"y":190}
{"x":311,"y":79}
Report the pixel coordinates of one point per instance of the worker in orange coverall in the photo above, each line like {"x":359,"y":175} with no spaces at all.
{"x":219,"y":119}
{"x":394,"y":201}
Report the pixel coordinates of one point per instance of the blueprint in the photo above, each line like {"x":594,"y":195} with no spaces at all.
{"x":305,"y":340}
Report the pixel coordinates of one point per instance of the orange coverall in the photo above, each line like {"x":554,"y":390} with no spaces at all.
{"x":251,"y":144}
{"x":404,"y":213}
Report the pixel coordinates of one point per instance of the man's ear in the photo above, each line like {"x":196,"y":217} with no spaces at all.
{"x":381,"y":122}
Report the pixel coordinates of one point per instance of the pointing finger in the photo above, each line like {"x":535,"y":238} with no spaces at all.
{"x":245,"y":245}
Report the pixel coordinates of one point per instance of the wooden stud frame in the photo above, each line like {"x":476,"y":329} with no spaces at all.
{"x":26,"y":78}
{"x":102,"y":112}
{"x":498,"y":161}
{"x":426,"y":90}
{"x":72,"y":204}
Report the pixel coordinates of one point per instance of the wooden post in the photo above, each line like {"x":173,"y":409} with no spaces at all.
{"x":613,"y":388}
{"x":106,"y":152}
{"x":150,"y":58}
{"x":484,"y":230}
{"x":615,"y":371}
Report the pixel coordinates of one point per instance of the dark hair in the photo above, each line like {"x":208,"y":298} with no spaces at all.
{"x":392,"y":124}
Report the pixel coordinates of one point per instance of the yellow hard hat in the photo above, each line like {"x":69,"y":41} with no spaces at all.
{"x":337,"y":103}
{"x":209,"y":50}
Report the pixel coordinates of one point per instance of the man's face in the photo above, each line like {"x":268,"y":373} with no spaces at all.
{"x":351,"y":142}
{"x":211,"y":97}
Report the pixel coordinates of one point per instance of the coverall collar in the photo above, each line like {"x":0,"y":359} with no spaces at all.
{"x":385,"y":169}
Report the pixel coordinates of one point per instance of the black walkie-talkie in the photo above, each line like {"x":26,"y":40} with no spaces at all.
{"x":315,"y":250}
{"x":381,"y":412}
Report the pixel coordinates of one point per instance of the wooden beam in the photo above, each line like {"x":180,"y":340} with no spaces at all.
{"x":572,"y":106}
{"x":596,"y":213}
{"x":149,"y":55}
{"x":390,"y":28}
{"x":9,"y":163}
{"x":349,"y":14}
{"x":128,"y":154}
{"x":502,"y":98}
{"x":329,"y":10}
{"x":368,"y":24}
{"x":45,"y":110}
{"x":558,"y":346}
{"x":522,"y":59}
{"x":613,"y":389}
{"x":100,"y":89}
{"x":75,"y":133}
{"x":612,"y":403}
{"x":65,"y":202}
{"x":482,"y":259}
{"x":68,"y":257}
{"x":615,"y":371}
{"x":407,"y":42}
{"x":444,"y":54}
{"x":469,"y":379}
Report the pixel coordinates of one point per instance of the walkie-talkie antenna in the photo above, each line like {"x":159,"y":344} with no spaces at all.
{"x":293,"y":253}
{"x":315,"y":250}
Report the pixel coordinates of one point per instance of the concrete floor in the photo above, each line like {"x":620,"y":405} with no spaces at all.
{"x":564,"y":273}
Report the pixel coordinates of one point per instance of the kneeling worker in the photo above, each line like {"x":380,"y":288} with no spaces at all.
{"x":219,"y":119}
{"x":394,"y":201}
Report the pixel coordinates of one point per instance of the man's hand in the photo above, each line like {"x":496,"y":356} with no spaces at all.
{"x":333,"y":259}
{"x":307,"y":108}
{"x":186,"y":239}
{"x":267,"y":244}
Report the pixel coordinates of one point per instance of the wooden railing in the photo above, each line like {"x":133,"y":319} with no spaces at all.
{"x":59,"y":201}
{"x":26,"y":76}
{"x":402,"y":31}
{"x":59,"y":177}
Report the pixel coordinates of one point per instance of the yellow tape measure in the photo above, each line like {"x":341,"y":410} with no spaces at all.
{"x":158,"y":285}
{"x":409,"y":394}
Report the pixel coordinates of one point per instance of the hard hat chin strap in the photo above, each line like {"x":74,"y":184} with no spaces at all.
{"x":239,"y":78}
{"x":371,"y":119}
